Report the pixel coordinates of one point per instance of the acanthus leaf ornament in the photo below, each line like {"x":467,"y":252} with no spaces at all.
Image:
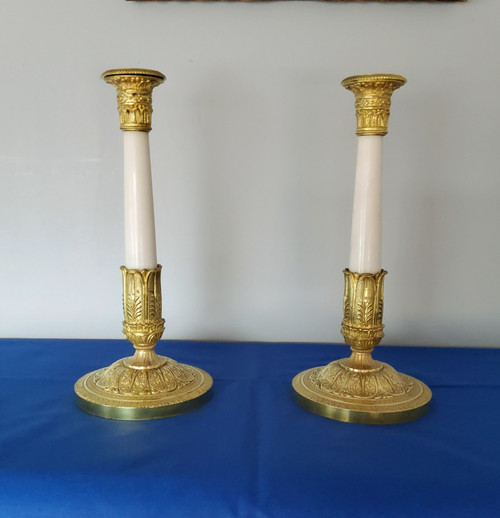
{"x":362,"y":326}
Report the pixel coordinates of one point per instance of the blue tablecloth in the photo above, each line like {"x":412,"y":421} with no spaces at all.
{"x":250,"y":451}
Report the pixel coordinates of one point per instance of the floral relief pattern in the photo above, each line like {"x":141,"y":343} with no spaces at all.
{"x":119,"y":378}
{"x":338,"y":379}
{"x":143,"y":324}
{"x":363,"y":309}
{"x":135,"y":98}
{"x":373,"y":101}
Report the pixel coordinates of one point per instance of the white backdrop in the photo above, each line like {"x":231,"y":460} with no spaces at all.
{"x":253,"y":152}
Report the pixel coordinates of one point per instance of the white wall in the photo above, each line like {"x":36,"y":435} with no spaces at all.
{"x":253,"y":151}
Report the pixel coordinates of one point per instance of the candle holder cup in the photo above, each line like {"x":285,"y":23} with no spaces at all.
{"x":360,"y":389}
{"x":145,"y":385}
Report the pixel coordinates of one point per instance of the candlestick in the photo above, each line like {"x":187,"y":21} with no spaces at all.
{"x":359,"y":389}
{"x":145,"y":385}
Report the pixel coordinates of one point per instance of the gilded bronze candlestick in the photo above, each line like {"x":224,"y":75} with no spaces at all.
{"x":360,"y":389}
{"x":145,"y":385}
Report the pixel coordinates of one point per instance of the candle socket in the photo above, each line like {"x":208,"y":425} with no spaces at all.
{"x":360,"y":389}
{"x":134,"y":92}
{"x":373,"y":100}
{"x":145,"y":385}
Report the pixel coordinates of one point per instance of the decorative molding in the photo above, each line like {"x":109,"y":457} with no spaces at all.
{"x":373,"y":100}
{"x":119,"y":378}
{"x":362,"y":326}
{"x":143,"y":324}
{"x":134,"y":89}
{"x":340,"y":379}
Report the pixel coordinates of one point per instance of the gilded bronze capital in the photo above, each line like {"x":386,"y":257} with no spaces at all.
{"x":373,"y":100}
{"x":134,"y":88}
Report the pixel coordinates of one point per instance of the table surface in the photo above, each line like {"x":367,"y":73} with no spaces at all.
{"x":250,"y":451}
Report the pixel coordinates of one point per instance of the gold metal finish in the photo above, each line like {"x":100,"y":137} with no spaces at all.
{"x":145,"y":385}
{"x":360,"y":389}
{"x":373,"y":100}
{"x":134,"y":88}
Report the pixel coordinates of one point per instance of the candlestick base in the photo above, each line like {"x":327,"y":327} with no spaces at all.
{"x":131,"y":391}
{"x":360,"y":389}
{"x":376,"y":395}
{"x":145,"y":385}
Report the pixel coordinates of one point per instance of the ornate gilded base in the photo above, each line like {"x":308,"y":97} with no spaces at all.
{"x":376,"y":394}
{"x":360,"y":389}
{"x":143,"y":386}
{"x":164,"y":388}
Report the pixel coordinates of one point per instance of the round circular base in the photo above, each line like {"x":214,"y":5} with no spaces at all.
{"x":132,"y":407}
{"x":400,"y":408}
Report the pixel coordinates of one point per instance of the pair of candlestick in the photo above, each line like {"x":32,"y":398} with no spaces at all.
{"x":355,"y":389}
